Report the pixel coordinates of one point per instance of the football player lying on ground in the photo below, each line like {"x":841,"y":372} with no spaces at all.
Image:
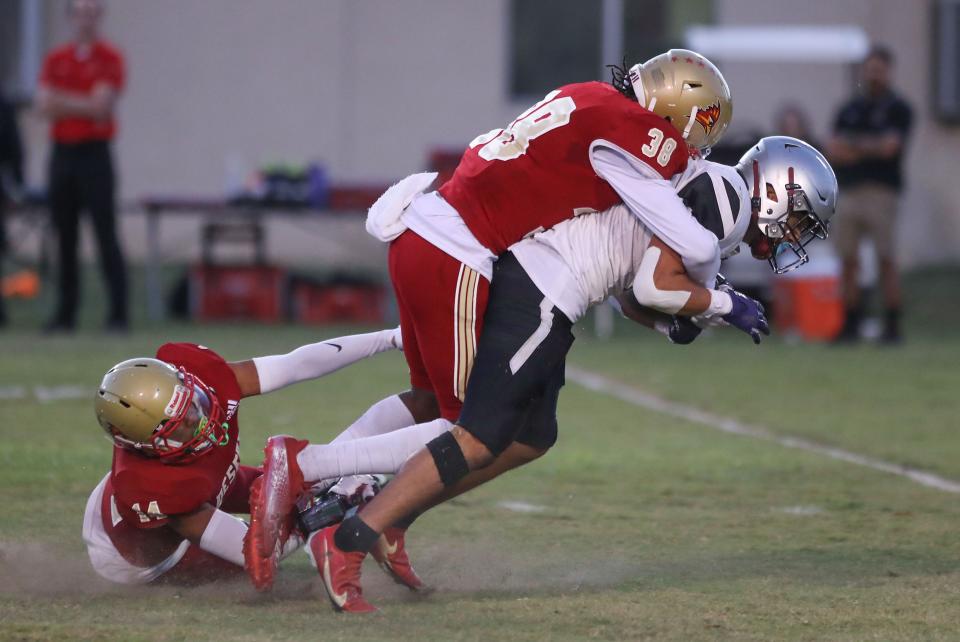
{"x":512,"y":396}
{"x":164,"y":509}
{"x":584,"y":148}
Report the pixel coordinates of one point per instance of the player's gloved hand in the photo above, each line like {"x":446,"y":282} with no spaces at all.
{"x":357,"y":489}
{"x":683,"y":330}
{"x":747,"y":315}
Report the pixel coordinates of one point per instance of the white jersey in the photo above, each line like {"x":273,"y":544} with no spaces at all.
{"x":439,"y":224}
{"x":650,"y":198}
{"x":581,"y":262}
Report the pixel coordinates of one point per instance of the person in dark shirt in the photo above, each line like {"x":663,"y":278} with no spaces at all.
{"x":867,"y":148}
{"x":792,"y":120}
{"x":11,"y":172}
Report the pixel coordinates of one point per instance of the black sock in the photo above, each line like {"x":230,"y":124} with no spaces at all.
{"x":354,"y":535}
{"x":854,"y":315}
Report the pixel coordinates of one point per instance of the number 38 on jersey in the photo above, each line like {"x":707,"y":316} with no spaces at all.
{"x":545,"y":116}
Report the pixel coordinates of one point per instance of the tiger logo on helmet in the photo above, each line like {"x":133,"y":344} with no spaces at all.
{"x":708,"y":117}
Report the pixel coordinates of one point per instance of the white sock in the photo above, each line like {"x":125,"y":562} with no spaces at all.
{"x":224,"y":535}
{"x":384,"y":416}
{"x":384,"y":453}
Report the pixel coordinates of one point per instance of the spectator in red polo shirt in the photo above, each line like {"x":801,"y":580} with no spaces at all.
{"x":79,"y":87}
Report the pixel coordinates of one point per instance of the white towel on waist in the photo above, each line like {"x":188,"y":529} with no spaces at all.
{"x":383,"y":218}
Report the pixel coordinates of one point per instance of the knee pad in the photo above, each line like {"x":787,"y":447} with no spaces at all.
{"x":449,"y":459}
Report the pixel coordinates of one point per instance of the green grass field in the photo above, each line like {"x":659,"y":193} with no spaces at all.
{"x":650,"y":528}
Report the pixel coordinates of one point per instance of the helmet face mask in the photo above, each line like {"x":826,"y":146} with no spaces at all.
{"x":194,"y":431}
{"x":799,"y":227}
{"x":149,"y":407}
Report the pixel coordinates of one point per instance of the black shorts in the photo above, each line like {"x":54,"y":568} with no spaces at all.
{"x":519,"y":368}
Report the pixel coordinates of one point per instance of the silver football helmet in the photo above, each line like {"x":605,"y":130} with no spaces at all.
{"x":794,"y":197}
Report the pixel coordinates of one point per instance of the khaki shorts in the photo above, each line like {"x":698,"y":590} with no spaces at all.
{"x":865,"y":211}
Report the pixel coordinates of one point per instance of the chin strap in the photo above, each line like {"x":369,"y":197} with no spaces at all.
{"x":792,"y":187}
{"x":755,"y":199}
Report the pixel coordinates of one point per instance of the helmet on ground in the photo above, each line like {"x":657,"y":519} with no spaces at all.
{"x":688,"y":90}
{"x":794,"y":198}
{"x":151,"y":407}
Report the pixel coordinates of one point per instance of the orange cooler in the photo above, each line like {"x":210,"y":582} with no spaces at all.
{"x":810,"y":307}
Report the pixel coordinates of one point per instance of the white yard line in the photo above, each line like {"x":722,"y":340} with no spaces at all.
{"x":12,"y":392}
{"x":521,"y":507}
{"x":631,"y":395}
{"x":46,"y":394}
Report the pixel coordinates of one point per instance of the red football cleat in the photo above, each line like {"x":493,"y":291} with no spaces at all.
{"x":340,"y":572}
{"x":273,"y":497}
{"x":391,"y":555}
{"x":260,"y":569}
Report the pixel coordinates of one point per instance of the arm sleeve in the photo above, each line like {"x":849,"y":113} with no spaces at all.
{"x":655,"y":202}
{"x":224,"y":534}
{"x":319,"y":359}
{"x":223,"y":537}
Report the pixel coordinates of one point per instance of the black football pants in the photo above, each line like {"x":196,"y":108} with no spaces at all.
{"x":82,"y":178}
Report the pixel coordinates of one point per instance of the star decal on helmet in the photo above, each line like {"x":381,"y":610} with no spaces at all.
{"x":708,"y":117}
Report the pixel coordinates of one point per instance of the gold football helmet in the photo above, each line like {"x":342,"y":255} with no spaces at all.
{"x":688,"y":90}
{"x":151,"y":407}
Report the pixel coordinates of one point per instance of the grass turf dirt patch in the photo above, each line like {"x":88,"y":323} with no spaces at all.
{"x":649,"y":527}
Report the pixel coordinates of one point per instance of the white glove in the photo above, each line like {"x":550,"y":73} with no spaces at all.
{"x":384,"y":217}
{"x":358,"y":489}
{"x":705,"y":322}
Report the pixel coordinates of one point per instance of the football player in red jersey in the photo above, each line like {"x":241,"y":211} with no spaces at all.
{"x":560,"y":267}
{"x":582,"y":149}
{"x":164,"y":509}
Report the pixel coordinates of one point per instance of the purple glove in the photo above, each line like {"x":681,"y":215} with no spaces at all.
{"x":747,"y":315}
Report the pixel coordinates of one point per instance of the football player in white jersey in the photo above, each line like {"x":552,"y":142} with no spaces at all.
{"x":583,"y":148}
{"x":555,"y":276}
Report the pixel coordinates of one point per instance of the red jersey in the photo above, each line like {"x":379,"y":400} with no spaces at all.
{"x":67,"y":69}
{"x":143,"y":492}
{"x":537,"y":172}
